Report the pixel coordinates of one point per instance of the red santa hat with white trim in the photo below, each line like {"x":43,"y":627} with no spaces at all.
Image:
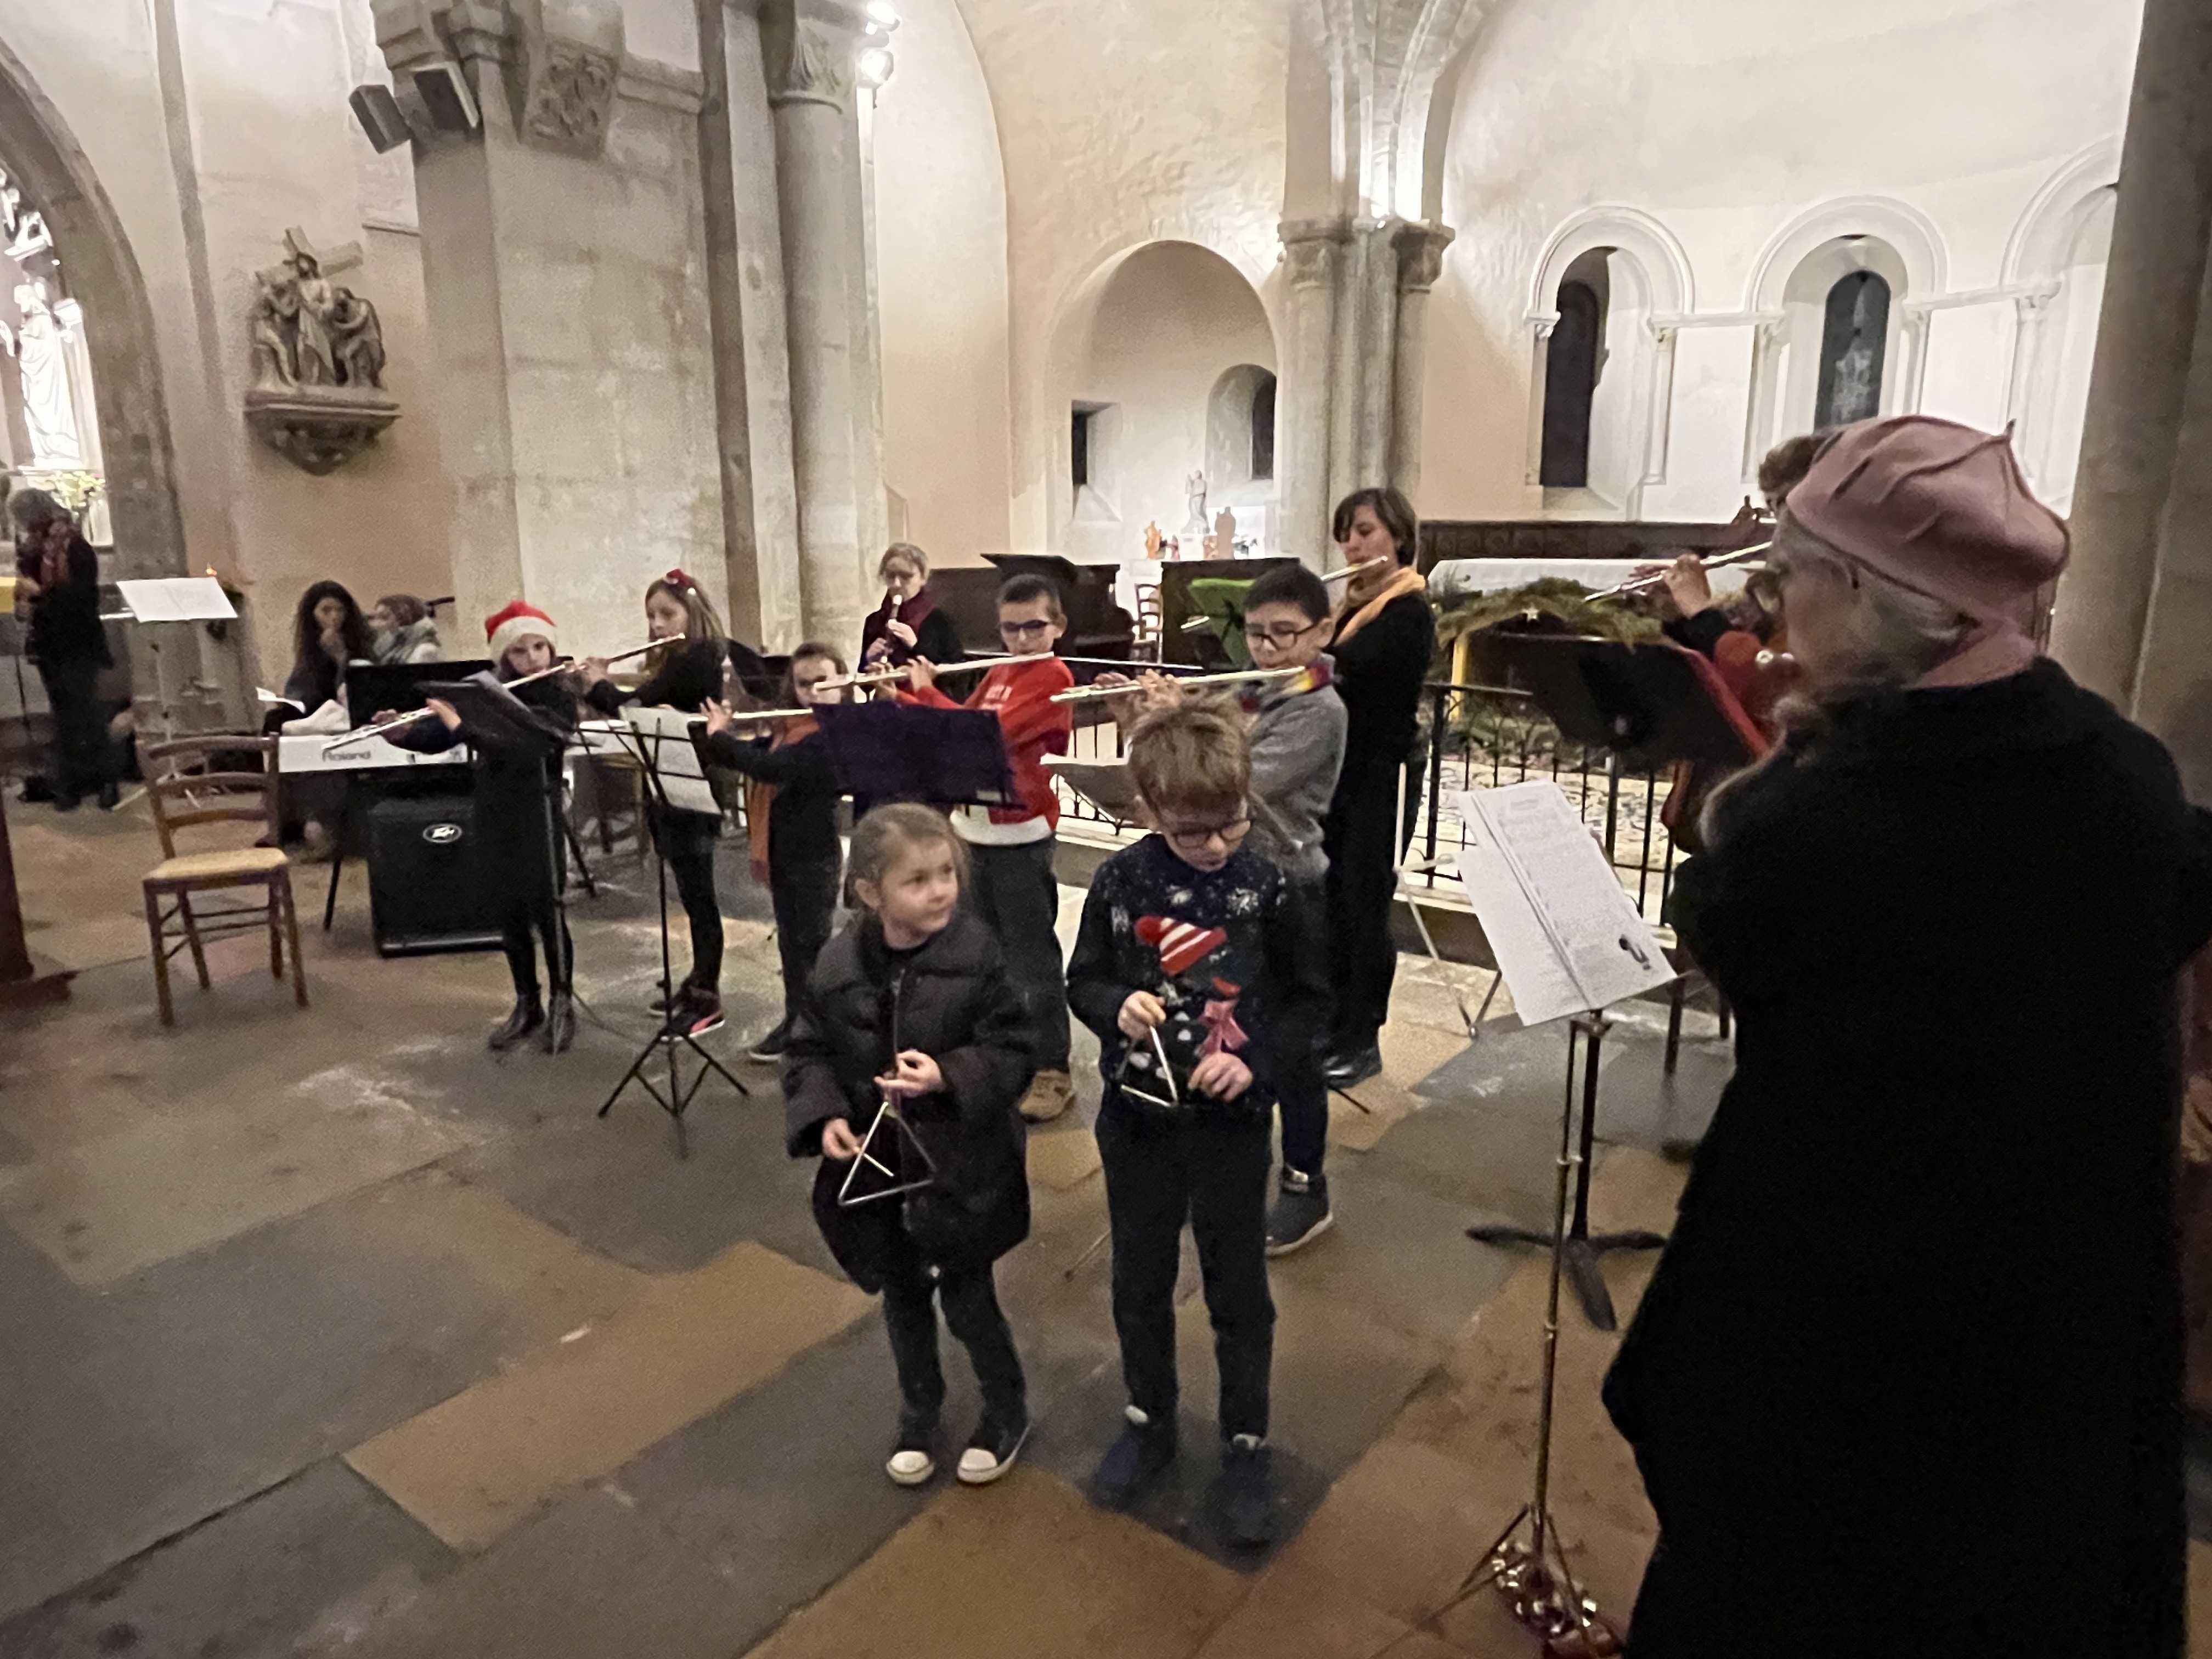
{"x":520,"y":621}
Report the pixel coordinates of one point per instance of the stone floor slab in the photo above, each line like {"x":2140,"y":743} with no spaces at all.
{"x":1062,"y":1158}
{"x":473,"y":1466}
{"x":1018,"y":1570}
{"x":1291,"y":1614}
{"x":591,"y":1578}
{"x":315,"y":1561}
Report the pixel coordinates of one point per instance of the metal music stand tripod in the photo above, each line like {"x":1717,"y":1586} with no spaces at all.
{"x":1575,"y":1247}
{"x":675,"y":1095}
{"x":1533,"y":1578}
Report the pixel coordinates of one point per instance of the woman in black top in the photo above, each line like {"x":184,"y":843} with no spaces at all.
{"x":790,"y":817}
{"x":685,"y":676}
{"x":908,"y":624}
{"x":57,"y":592}
{"x":1384,"y":639}
{"x":328,"y":632}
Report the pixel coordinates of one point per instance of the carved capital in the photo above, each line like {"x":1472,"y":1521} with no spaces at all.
{"x":818,"y":66}
{"x":571,"y":58}
{"x":1309,"y":262}
{"x":1420,"y":255}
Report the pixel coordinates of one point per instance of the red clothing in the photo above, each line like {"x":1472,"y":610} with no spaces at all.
{"x":1032,"y":724}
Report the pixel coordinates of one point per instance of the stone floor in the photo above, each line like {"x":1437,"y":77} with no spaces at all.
{"x":327,"y":1331}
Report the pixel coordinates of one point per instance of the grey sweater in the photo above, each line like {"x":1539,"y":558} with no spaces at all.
{"x":1298,"y":749}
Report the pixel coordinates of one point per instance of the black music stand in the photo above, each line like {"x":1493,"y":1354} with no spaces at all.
{"x":1646,"y":706}
{"x":886,"y":751}
{"x":676,"y":1098}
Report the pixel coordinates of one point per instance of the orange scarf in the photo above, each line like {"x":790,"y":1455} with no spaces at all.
{"x":1407,"y":581}
{"x":759,"y":796}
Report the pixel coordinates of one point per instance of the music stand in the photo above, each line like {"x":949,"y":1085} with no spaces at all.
{"x":1646,"y":706}
{"x":886,"y":751}
{"x":643,"y":734}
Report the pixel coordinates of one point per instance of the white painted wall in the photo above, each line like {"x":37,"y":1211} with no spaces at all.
{"x":941,"y":289}
{"x":1728,"y":120}
{"x":1171,"y":319}
{"x":1120,"y":123}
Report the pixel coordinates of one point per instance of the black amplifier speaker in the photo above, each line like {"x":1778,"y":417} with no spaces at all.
{"x":424,"y":893}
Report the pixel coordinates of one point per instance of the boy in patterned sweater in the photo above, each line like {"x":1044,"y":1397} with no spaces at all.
{"x":1201,"y":976}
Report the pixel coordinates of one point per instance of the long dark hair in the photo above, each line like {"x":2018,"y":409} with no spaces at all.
{"x":306,"y":636}
{"x":1391,"y":509}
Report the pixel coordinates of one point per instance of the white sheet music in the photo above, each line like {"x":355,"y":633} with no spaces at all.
{"x":1566,"y":936}
{"x":665,"y":735}
{"x":177,"y":599}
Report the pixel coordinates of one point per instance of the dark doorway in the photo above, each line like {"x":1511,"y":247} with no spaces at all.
{"x":1854,"y":343}
{"x":1263,"y":428}
{"x":1571,"y":364}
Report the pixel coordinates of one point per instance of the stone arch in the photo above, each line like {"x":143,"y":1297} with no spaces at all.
{"x":2056,"y":264}
{"x":1106,"y":510}
{"x":1906,"y":230}
{"x":2040,"y":242}
{"x":104,"y":277}
{"x":1670,"y":289}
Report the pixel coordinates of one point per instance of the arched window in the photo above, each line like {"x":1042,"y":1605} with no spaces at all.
{"x":1854,"y":345}
{"x":1263,"y":428}
{"x":1570,"y":370}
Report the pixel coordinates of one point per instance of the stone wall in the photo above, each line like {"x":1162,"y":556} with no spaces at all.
{"x":1746,"y":132}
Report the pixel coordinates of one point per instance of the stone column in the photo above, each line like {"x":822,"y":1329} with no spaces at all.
{"x":1378,"y":311}
{"x":1310,"y":251}
{"x":812,"y":45}
{"x":1346,"y":341}
{"x":1420,"y":261}
{"x":2147,"y":348}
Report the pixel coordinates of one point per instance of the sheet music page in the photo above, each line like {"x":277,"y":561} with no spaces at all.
{"x":666,"y":737}
{"x":1601,"y":946}
{"x":176,"y":599}
{"x":1542,"y":987}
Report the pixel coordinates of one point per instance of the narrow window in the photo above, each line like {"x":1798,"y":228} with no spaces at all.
{"x":1854,"y":341}
{"x":1571,"y":363}
{"x":1263,"y":427}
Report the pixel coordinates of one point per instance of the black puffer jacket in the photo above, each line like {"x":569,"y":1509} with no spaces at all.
{"x":952,"y":999}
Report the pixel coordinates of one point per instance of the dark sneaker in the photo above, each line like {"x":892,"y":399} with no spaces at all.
{"x":1347,"y":1066}
{"x":697,"y":1014}
{"x":528,"y":1014}
{"x":1132,"y":1463}
{"x":770,"y":1049}
{"x":666,"y":1003}
{"x":111,"y":797}
{"x":66,"y":800}
{"x":1300,"y":1214}
{"x":1248,"y":1492}
{"x":913,"y":1459}
{"x":992,"y":1450}
{"x":559,"y":1023}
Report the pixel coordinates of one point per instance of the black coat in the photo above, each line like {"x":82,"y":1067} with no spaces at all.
{"x":1908,"y":1378}
{"x":65,"y":625}
{"x":520,"y":851}
{"x":802,"y":818}
{"x":952,"y":1001}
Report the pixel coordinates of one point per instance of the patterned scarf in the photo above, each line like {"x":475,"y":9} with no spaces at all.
{"x":1407,"y":581}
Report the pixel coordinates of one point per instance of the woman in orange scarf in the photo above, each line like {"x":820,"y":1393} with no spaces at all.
{"x":791,"y":816}
{"x":1384,"y":639}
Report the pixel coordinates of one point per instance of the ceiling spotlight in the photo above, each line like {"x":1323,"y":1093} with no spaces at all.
{"x":883,"y":16}
{"x":875,"y":65}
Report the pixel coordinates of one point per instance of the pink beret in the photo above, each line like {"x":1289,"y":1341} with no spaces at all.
{"x":1940,"y":508}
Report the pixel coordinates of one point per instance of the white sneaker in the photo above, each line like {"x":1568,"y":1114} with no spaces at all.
{"x":990,"y":1452}
{"x":908,"y":1467}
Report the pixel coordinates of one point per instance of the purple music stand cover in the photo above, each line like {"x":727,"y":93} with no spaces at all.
{"x":907,"y":751}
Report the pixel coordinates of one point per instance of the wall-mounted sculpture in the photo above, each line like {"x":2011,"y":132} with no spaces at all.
{"x":317,"y":397}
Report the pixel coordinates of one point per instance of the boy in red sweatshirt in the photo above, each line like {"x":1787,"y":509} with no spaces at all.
{"x":1011,"y":886}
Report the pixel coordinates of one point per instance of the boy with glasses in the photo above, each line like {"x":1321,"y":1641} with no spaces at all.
{"x":1197,"y":969}
{"x":1011,"y":881}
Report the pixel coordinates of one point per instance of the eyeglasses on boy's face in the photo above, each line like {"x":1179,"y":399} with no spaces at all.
{"x":1197,"y":837}
{"x":1282,"y":636}
{"x":1035,"y":629}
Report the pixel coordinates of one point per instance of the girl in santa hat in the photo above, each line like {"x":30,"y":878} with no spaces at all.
{"x":520,"y":847}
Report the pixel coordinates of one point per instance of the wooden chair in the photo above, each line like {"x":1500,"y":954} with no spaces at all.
{"x":185,"y":793}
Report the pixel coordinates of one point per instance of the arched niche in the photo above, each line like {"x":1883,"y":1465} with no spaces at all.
{"x":1240,"y":429}
{"x":105,"y":280}
{"x":1141,"y":356}
{"x":1627,"y":281}
{"x":1851,"y":280}
{"x":2056,"y":264}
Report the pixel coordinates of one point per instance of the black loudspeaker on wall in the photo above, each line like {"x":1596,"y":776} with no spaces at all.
{"x":423,"y":895}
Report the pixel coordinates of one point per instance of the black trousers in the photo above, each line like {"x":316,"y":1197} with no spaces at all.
{"x":912,"y":1293}
{"x":1013,"y":890}
{"x":79,"y":756}
{"x":1301,"y":1093}
{"x":687,"y":841}
{"x":519,"y":935}
{"x":1213,"y":1172}
{"x":1363,"y":836}
{"x":804,"y":894}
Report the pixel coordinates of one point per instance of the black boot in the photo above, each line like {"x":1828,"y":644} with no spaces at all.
{"x":559,"y":1023}
{"x":528,"y":1015}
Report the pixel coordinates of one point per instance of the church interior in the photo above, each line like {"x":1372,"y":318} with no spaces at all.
{"x":328,"y":1330}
